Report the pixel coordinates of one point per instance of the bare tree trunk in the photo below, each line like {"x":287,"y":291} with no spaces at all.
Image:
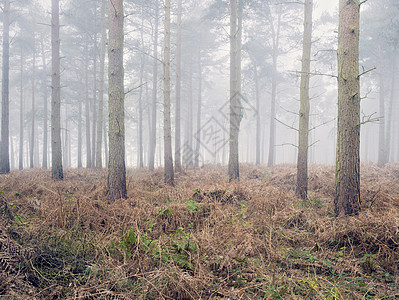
{"x":100,"y":117}
{"x":233,"y":167}
{"x":5,"y":109}
{"x":94,"y":100}
{"x":21,"y":114}
{"x":199,"y":106}
{"x":45,"y":109}
{"x":87,"y":104}
{"x":80,"y":109}
{"x":168,"y":157}
{"x":153,"y":136}
{"x":381,"y":128}
{"x":347,"y":178}
{"x":389,"y":117}
{"x":56,"y":159}
{"x":272,"y":137}
{"x":12,"y":165}
{"x":116,"y":188}
{"x":32,"y":135}
{"x":140,"y":125}
{"x":258,"y":131}
{"x":178,"y":90}
{"x":106,"y":153}
{"x":303,"y":145}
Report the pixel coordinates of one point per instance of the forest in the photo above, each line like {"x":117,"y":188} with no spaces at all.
{"x":215,"y":149}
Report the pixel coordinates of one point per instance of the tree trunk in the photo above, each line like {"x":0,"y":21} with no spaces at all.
{"x":199,"y":106}
{"x":56,"y":152}
{"x":32,"y":135}
{"x":168,"y":157}
{"x":303,"y":145}
{"x":272,"y":137}
{"x":5,"y":109}
{"x":258,"y":131}
{"x":45,"y":108}
{"x":116,"y":188}
{"x":153,"y":136}
{"x":347,"y":178}
{"x":381,"y":128}
{"x":389,"y":122}
{"x":233,"y":167}
{"x":140,"y":110}
{"x":100,"y":116}
{"x":21,"y":115}
{"x":80,"y":109}
{"x":87,"y":104}
{"x":94,"y":100}
{"x":178,"y":90}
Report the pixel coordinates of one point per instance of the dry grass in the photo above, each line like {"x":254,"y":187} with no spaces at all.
{"x":202,"y":239}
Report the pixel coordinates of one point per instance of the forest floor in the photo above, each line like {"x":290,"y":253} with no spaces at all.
{"x":205,"y":238}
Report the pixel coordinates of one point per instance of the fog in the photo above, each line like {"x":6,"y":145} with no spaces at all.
{"x":268,"y":28}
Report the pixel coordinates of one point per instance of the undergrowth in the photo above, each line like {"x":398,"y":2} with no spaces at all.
{"x":202,"y":239}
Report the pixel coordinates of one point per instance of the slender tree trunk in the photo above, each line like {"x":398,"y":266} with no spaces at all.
{"x":45,"y":109}
{"x":168,"y":157}
{"x":12,"y":163}
{"x":188,"y":143}
{"x":140,"y":125}
{"x":389,"y":115}
{"x":32,"y":135}
{"x":381,"y":129}
{"x":199,"y":106}
{"x":116,"y":188}
{"x":153,"y":136}
{"x":80,"y":109}
{"x":56,"y":159}
{"x":233,"y":167}
{"x":5,"y":109}
{"x":21,"y":115}
{"x":272,"y":136}
{"x":303,"y":145}
{"x":94,"y":100}
{"x":106,"y":152}
{"x":99,"y":161}
{"x":258,"y":131}
{"x":347,"y":179}
{"x":178,"y":90}
{"x":87,"y":104}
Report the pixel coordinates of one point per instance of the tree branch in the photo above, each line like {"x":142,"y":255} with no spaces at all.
{"x":287,"y":144}
{"x":365,"y":72}
{"x":316,"y":74}
{"x":291,"y":127}
{"x":322,"y":124}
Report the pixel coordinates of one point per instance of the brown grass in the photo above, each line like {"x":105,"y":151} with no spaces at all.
{"x":202,"y":239}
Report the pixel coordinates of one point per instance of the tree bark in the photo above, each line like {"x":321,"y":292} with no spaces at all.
{"x":56,"y":152}
{"x":45,"y":108}
{"x":347,"y":178}
{"x":87,"y":104}
{"x":258,"y":131}
{"x":178,"y":90}
{"x":381,"y":128}
{"x":80,"y":121}
{"x":5,"y":108}
{"x":116,"y":188}
{"x":168,"y":157}
{"x":199,"y":106}
{"x":21,"y":114}
{"x":100,"y":116}
{"x":233,"y":167}
{"x":389,"y":115}
{"x":32,"y":136}
{"x":94,"y":100}
{"x":303,"y":141}
{"x":272,"y":137}
{"x":153,"y":136}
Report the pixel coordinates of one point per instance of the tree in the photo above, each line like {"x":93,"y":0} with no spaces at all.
{"x":347,"y":176}
{"x":178,"y":90}
{"x":302,"y":164}
{"x":56,"y":151}
{"x":153,"y":136}
{"x":116,"y":188}
{"x":235,"y":108}
{"x":168,"y":158}
{"x":5,"y":108}
{"x":32,"y":136}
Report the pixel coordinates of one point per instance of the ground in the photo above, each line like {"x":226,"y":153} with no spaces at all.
{"x":204,"y":238}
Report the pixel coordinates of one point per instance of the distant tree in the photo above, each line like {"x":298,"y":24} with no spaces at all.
{"x":347,"y":176}
{"x":235,"y":103}
{"x":32,"y":135}
{"x":56,"y":151}
{"x":178,"y":89}
{"x":116,"y":188}
{"x":168,"y":157}
{"x":302,"y":163}
{"x":5,"y":108}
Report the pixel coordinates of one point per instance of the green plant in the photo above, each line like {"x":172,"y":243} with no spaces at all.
{"x":192,"y":205}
